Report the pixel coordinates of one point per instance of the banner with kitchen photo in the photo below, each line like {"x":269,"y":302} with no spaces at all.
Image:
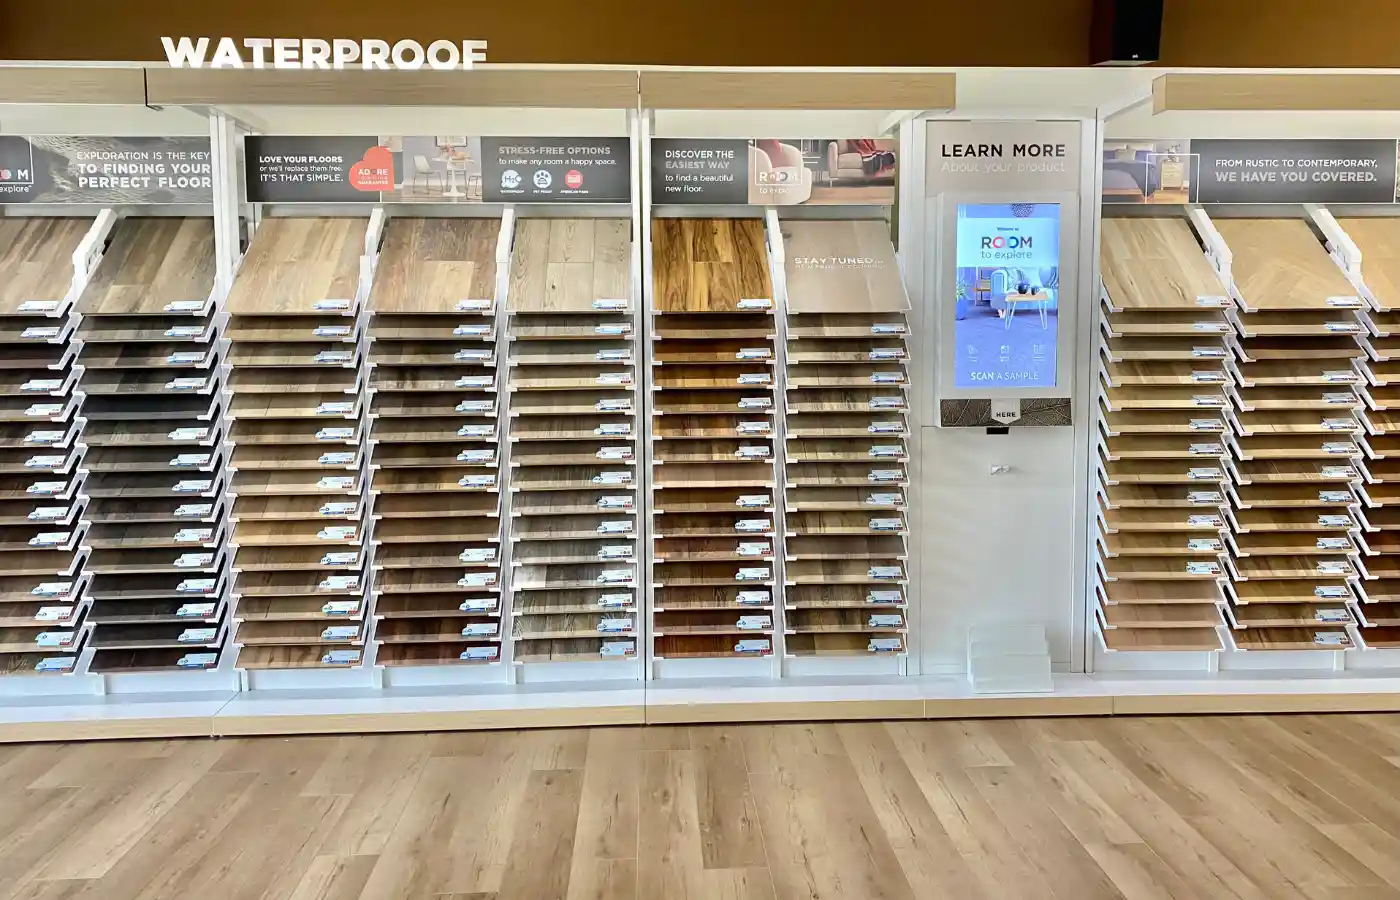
{"x":774,"y":171}
{"x":437,"y":169}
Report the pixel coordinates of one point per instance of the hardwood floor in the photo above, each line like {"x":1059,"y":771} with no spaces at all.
{"x":1257,"y":807}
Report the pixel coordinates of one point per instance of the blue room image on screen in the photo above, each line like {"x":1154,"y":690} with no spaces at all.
{"x":1008,"y":292}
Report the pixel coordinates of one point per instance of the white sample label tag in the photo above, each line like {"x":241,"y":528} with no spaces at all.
{"x":1329,"y":591}
{"x":763,"y":427}
{"x":192,"y":487}
{"x":465,"y":355}
{"x":753,"y":574}
{"x":185,"y":306}
{"x":754,"y":353}
{"x":52,"y":589}
{"x":885,"y":645}
{"x":194,"y":535}
{"x":480,"y":629}
{"x":331,"y":305}
{"x":44,"y":409}
{"x":613,"y":429}
{"x":334,"y":356}
{"x":477,"y":456}
{"x":186,"y":358}
{"x":885,"y":428}
{"x":613,"y":478}
{"x":1338,"y":447}
{"x":613,"y":328}
{"x":885,"y":572}
{"x":340,"y":633}
{"x":886,"y":524}
{"x":1206,"y":425}
{"x":472,"y":305}
{"x":337,"y":533}
{"x":53,"y":613}
{"x":753,"y":645}
{"x":753,"y":598}
{"x":614,"y":378}
{"x":47,"y":488}
{"x":337,"y":458}
{"x":754,"y":501}
{"x":185,"y":331}
{"x":1211,"y":326}
{"x":54,"y":638}
{"x":884,"y":597}
{"x":476,"y":431}
{"x":55,"y":664}
{"x":48,"y":513}
{"x":480,"y":653}
{"x":478,"y":604}
{"x":1203,"y":545}
{"x":754,"y":548}
{"x":614,"y":453}
{"x":188,"y":434}
{"x":42,"y":384}
{"x":1332,"y":616}
{"x":335,"y":482}
{"x":1202,"y":568}
{"x":341,"y":658}
{"x":1208,"y":377}
{"x":1342,"y":327}
{"x":1338,"y":472}
{"x":885,"y":620}
{"x":756,"y":303}
{"x":1346,"y":375}
{"x":475,"y":406}
{"x":886,"y":353}
{"x":754,"y":623}
{"x":186,"y":384}
{"x":41,"y":333}
{"x":1334,"y":496}
{"x":886,"y":451}
{"x":617,"y":648}
{"x":339,"y":583}
{"x":1333,"y":567}
{"x":340,"y":607}
{"x":614,"y":502}
{"x":614,"y":626}
{"x":38,"y":306}
{"x":885,"y":475}
{"x":335,"y":408}
{"x":884,"y":499}
{"x":477,"y":481}
{"x":484,"y":381}
{"x":615,"y":601}
{"x":1334,"y":521}
{"x":755,"y":378}
{"x":473,"y":330}
{"x":195,"y":610}
{"x":1208,"y":352}
{"x":616,"y":551}
{"x":331,"y":331}
{"x":753,"y":452}
{"x":44,"y":462}
{"x":50,"y":538}
{"x":619,"y":405}
{"x":1332,"y":639}
{"x":1206,"y":449}
{"x":477,"y":579}
{"x":193,"y":560}
{"x":197,"y":661}
{"x":188,"y":460}
{"x":609,"y":303}
{"x":1207,"y":400}
{"x":754,"y":525}
{"x":198,"y":635}
{"x":887,"y":328}
{"x":43,"y":437}
{"x":1205,"y":521}
{"x":1344,"y":302}
{"x":1333,"y":543}
{"x":477,"y":554}
{"x":755,"y":403}
{"x":615,"y":576}
{"x":1204,"y":474}
{"x":1339,"y":424}
{"x":342,"y":558}
{"x":621,"y":355}
{"x":195,"y":586}
{"x":1338,"y":398}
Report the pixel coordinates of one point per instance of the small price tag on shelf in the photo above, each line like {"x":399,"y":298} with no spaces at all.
{"x":47,"y":639}
{"x":335,"y":408}
{"x":615,"y":576}
{"x":754,"y":623}
{"x":340,"y":633}
{"x":885,"y":475}
{"x":1207,"y":425}
{"x":51,"y":539}
{"x":472,"y":305}
{"x":337,"y":533}
{"x":1203,"y":545}
{"x":754,"y":525}
{"x":755,"y":403}
{"x":1202,"y":568}
{"x":339,"y":583}
{"x":1339,"y":447}
{"x":477,"y":579}
{"x":1334,"y":521}
{"x":1344,"y":302}
{"x":1207,"y":400}
{"x":331,"y":331}
{"x":614,"y":454}
{"x":887,"y":328}
{"x":341,"y":558}
{"x":47,"y":488}
{"x":886,"y":524}
{"x":194,"y":510}
{"x":884,"y":354}
{"x":1329,"y":592}
{"x":44,"y":462}
{"x":480,"y":654}
{"x":616,"y":551}
{"x":186,"y":358}
{"x":188,"y":434}
{"x":886,"y":451}
{"x":340,"y":607}
{"x":610,"y":304}
{"x":481,"y":381}
{"x":885,"y":620}
{"x":1207,"y":377}
{"x":754,"y":501}
{"x":763,"y":427}
{"x":1333,"y":543}
{"x":614,"y":625}
{"x":755,"y":378}
{"x":613,"y":429}
{"x":468,"y":406}
{"x":52,"y":589}
{"x":185,"y":306}
{"x":196,"y":586}
{"x":197,"y":635}
{"x":754,"y":573}
{"x":185,"y":332}
{"x":754,"y":548}
{"x":186,"y":384}
{"x":617,"y":648}
{"x":193,"y":560}
{"x":336,"y":458}
{"x":41,"y":333}
{"x":1208,"y":352}
{"x":477,"y":554}
{"x":753,"y":353}
{"x":43,"y":437}
{"x":1335,"y":398}
{"x":472,"y":330}
{"x":753,"y":598}
{"x":884,"y":499}
{"x":334,"y":357}
{"x":1204,"y":474}
{"x":341,"y":658}
{"x":1215,"y":302}
{"x":614,"y":378}
{"x":614,"y":601}
{"x":39,"y":306}
{"x":198,"y":661}
{"x":470,"y":355}
{"x":753,"y":452}
{"x":885,"y":428}
{"x":1333,"y":567}
{"x":331,"y":305}
{"x":478,"y":605}
{"x":335,"y":482}
{"x":194,"y":535}
{"x":1333,"y":616}
{"x":1211,"y":327}
{"x":1332,"y":639}
{"x":622,"y":404}
{"x":1206,"y":449}
{"x":1340,"y":375}
{"x":48,"y":513}
{"x":56,"y":664}
{"x":614,"y":502}
{"x":482,"y":431}
{"x":622,"y":355}
{"x":195,"y":486}
{"x":54,"y":614}
{"x":44,"y":410}
{"x":753,"y":645}
{"x":1205,"y":521}
{"x":191,"y":460}
{"x":1338,"y":472}
{"x":884,"y":572}
{"x":487,"y":455}
{"x":613,"y":328}
{"x":884,"y":598}
{"x":622,"y":477}
{"x":1335,"y":496}
{"x":477,"y":481}
{"x":885,"y":645}
{"x":195,"y":611}
{"x":41,"y":385}
{"x":1339,"y":424}
{"x":1342,"y":327}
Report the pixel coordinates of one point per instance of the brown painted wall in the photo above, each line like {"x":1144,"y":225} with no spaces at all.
{"x":731,"y":32}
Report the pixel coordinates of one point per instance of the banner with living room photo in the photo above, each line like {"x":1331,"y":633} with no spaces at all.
{"x":774,"y":171}
{"x":437,"y":169}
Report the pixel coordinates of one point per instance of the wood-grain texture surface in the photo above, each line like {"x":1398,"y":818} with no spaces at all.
{"x":1279,"y":264}
{"x":563,"y":265}
{"x":1155,"y":264}
{"x":708,"y":265}
{"x":294,"y":262}
{"x":36,"y":258}
{"x":844,"y":267}
{"x":1265,"y":808}
{"x":152,"y":262}
{"x":429,"y":265}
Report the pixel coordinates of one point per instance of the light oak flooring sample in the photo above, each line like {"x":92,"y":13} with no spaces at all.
{"x":430,"y":265}
{"x":841,"y":267}
{"x":152,"y":262}
{"x":295,"y":262}
{"x":36,"y":259}
{"x":1155,"y":264}
{"x":708,"y":265}
{"x":1279,"y":264}
{"x":1378,"y":239}
{"x":564,"y":265}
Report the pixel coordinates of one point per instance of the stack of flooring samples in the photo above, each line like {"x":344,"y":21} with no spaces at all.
{"x":42,"y":582}
{"x":1162,"y":419}
{"x":1296,"y":457}
{"x":845,"y":551}
{"x":574,"y":441}
{"x":297,"y":468}
{"x":152,"y":404}
{"x":714,"y":473}
{"x":435,"y":443}
{"x":1378,"y":240}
